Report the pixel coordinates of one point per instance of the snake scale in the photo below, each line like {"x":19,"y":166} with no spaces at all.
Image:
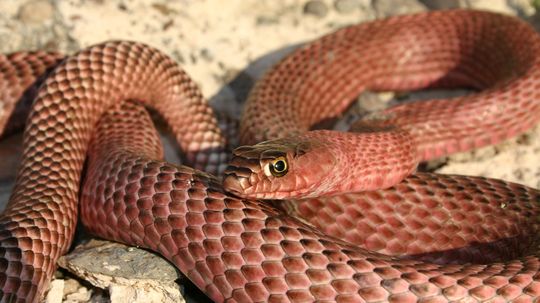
{"x":417,"y":237}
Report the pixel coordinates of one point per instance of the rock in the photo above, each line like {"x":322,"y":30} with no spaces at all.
{"x":81,"y":295}
{"x":128,"y":273}
{"x":316,"y":8}
{"x":37,"y":11}
{"x":346,"y":6}
{"x":483,"y":153}
{"x":206,"y":54}
{"x":443,"y":4}
{"x":266,"y":20}
{"x":514,"y":7}
{"x":385,"y":8}
{"x":56,"y":292}
{"x":71,"y":286}
{"x":367,"y":102}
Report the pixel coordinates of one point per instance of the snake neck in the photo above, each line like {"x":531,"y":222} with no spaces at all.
{"x":368,"y":160}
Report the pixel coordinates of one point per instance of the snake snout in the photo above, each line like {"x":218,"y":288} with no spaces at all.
{"x":234,"y":184}
{"x":237,"y":177}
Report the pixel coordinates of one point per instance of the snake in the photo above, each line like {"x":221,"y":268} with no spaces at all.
{"x":423,"y":237}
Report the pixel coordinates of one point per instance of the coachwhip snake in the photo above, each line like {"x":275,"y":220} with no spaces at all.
{"x":241,"y":250}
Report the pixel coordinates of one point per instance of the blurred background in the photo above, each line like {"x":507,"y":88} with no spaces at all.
{"x":225,"y":46}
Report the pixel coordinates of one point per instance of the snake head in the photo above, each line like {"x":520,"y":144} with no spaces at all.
{"x":279,"y":169}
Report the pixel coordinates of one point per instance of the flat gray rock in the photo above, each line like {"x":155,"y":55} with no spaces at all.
{"x":128,"y":273}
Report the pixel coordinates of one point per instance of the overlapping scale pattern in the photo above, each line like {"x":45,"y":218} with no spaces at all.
{"x":38,"y":224}
{"x":456,"y":48}
{"x":249,"y":251}
{"x":238,"y":250}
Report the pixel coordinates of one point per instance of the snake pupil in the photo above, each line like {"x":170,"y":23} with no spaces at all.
{"x":279,"y":166}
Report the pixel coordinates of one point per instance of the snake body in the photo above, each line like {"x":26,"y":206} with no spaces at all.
{"x":38,"y":224}
{"x":495,"y":54}
{"x":241,"y":250}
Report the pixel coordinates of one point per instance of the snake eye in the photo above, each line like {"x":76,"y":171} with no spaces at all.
{"x":278,"y":167}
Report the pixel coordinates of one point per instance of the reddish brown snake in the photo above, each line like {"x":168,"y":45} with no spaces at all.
{"x":240,"y":250}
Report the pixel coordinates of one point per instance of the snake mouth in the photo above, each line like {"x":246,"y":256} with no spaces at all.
{"x":244,"y":188}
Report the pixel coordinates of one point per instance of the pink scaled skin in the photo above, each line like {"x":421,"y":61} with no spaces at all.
{"x":317,"y":168}
{"x":497,"y":55}
{"x":38,"y":224}
{"x":241,"y":250}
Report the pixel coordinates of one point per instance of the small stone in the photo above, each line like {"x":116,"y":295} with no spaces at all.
{"x":492,"y":5}
{"x":374,"y":102}
{"x":530,"y":138}
{"x":207,"y":55}
{"x":316,"y":8}
{"x":443,"y":4}
{"x":266,"y":20}
{"x":385,"y":8}
{"x":71,"y":286}
{"x":522,"y":8}
{"x":37,"y":11}
{"x":163,"y":9}
{"x":56,"y":292}
{"x":82,"y":295}
{"x":483,"y":153}
{"x":346,"y":6}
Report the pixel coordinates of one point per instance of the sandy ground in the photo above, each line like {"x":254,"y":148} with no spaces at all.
{"x":226,"y":45}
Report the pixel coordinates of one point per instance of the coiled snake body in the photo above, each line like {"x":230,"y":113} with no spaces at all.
{"x":457,"y":238}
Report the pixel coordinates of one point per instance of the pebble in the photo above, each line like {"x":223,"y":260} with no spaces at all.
{"x":71,"y":286}
{"x":266,"y":20}
{"x":316,"y":8}
{"x":346,"y":6}
{"x":442,"y":4}
{"x":37,"y":11}
{"x":56,"y":291}
{"x":81,"y":295}
{"x":207,"y":55}
{"x":385,"y":8}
